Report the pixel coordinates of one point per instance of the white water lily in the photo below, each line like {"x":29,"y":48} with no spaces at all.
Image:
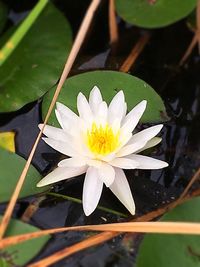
{"x":100,"y":142}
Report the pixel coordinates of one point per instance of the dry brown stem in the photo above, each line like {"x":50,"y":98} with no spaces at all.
{"x":113,"y":24}
{"x":189,"y":50}
{"x":103,"y":237}
{"x":133,"y":227}
{"x":31,"y":209}
{"x":135,"y":52}
{"x":195,"y":39}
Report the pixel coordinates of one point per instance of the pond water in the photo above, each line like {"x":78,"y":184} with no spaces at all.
{"x":180,"y":89}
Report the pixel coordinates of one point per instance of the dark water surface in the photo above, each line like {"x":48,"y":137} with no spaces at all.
{"x":180,"y":89}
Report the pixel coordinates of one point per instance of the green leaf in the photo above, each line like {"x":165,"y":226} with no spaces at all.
{"x":109,"y":82}
{"x":20,"y":254}
{"x":154,"y":13}
{"x":11,"y":166}
{"x":159,"y":250}
{"x":36,"y":63}
{"x":3,"y":15}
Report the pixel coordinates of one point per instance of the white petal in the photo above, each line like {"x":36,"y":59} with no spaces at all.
{"x":115,"y":125}
{"x":124,"y":163}
{"x":53,"y":132}
{"x":92,"y":189}
{"x":125,"y":110}
{"x":124,"y":139}
{"x":121,"y":189}
{"x":108,"y":157}
{"x":151,"y":143}
{"x":102,"y":114}
{"x":136,"y":113}
{"x":84,"y":108}
{"x":146,"y":134}
{"x":95,"y":99}
{"x":116,"y":107}
{"x":129,"y":149}
{"x":106,"y":174}
{"x":148,"y":163}
{"x":132,"y":118}
{"x":58,"y":116}
{"x":68,"y":113}
{"x":60,"y":174}
{"x":72,"y":162}
{"x":94,"y":163}
{"x":68,"y":120}
{"x":63,"y":147}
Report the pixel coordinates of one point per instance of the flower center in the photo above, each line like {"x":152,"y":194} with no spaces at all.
{"x":101,"y":140}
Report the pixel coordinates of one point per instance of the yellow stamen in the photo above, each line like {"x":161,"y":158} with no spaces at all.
{"x":101,"y":140}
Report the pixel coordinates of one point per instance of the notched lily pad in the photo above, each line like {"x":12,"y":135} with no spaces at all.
{"x":20,"y":254}
{"x":109,"y":82}
{"x":11,"y":166}
{"x":154,"y":13}
{"x":159,"y":250}
{"x":35,"y":65}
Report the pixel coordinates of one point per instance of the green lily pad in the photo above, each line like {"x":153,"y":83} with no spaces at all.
{"x":11,"y":166}
{"x":20,"y":254}
{"x":3,"y":15}
{"x":109,"y":82}
{"x":159,"y":250}
{"x":36,"y":63}
{"x":154,"y":13}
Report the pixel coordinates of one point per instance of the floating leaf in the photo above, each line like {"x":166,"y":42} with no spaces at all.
{"x":11,"y":166}
{"x":3,"y":15}
{"x":7,"y":141}
{"x":109,"y":83}
{"x":20,"y":254}
{"x":159,"y":250}
{"x":154,"y":13}
{"x":36,"y":63}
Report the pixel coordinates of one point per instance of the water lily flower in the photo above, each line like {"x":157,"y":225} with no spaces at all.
{"x":100,"y":142}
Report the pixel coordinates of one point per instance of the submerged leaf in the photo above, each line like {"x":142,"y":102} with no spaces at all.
{"x":20,"y":254}
{"x":159,"y":250}
{"x":36,"y":63}
{"x":154,"y":13}
{"x":109,"y":82}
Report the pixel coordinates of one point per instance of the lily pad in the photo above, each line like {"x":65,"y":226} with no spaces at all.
{"x":20,"y":254}
{"x":154,"y":13}
{"x":3,"y":15}
{"x":11,"y":166}
{"x":109,"y":82}
{"x":35,"y":65}
{"x":159,"y":250}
